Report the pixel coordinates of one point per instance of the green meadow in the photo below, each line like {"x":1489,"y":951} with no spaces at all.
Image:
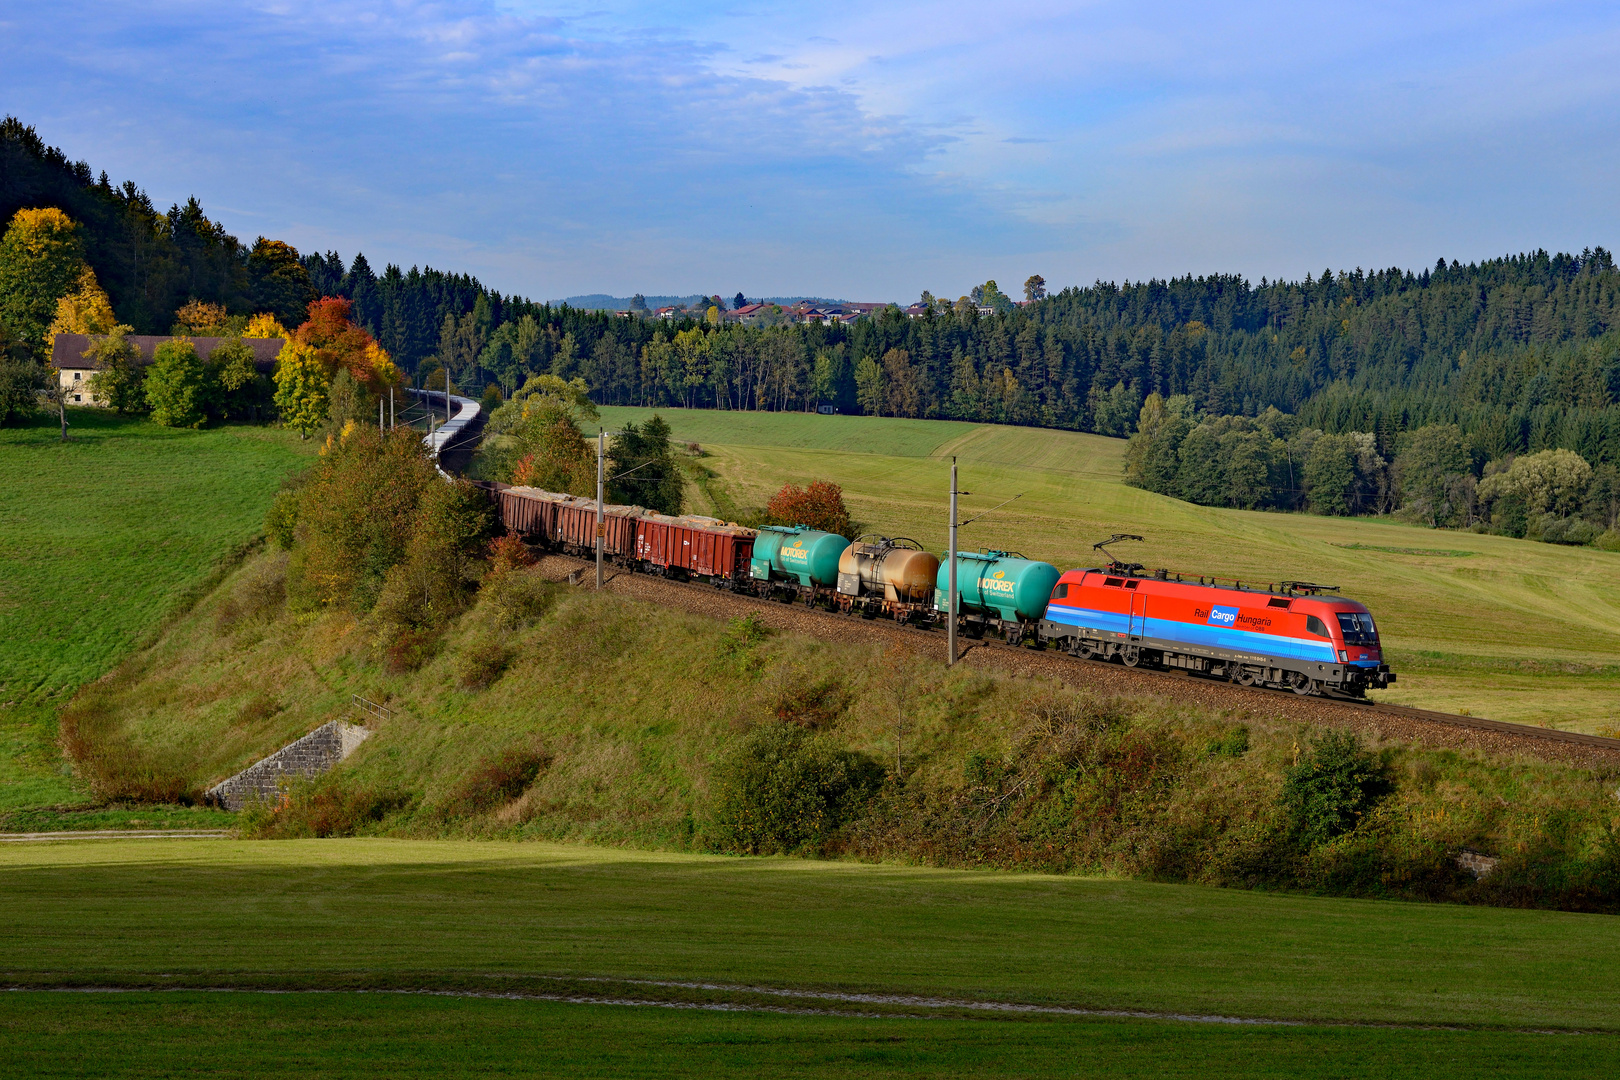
{"x":1508,"y":629}
{"x":102,"y":538}
{"x":367,"y":916}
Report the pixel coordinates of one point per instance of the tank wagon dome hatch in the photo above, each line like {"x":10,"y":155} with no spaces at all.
{"x":797,"y":554}
{"x":1001,"y":584}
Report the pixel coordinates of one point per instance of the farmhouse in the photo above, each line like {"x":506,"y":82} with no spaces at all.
{"x":75,"y":369}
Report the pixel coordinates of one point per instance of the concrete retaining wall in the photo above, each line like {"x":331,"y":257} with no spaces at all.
{"x":310,"y":756}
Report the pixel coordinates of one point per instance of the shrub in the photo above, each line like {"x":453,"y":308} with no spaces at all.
{"x":783,"y":789}
{"x":1330,"y":790}
{"x":498,"y":780}
{"x":1234,"y":743}
{"x":322,"y":810}
{"x":811,"y":702}
{"x":741,"y":639}
{"x":258,"y":595}
{"x":819,"y":506}
{"x":515,"y":599}
{"x":509,"y":552}
{"x":482,"y":663}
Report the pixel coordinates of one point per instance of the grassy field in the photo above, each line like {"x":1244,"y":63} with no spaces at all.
{"x":102,"y":538}
{"x":1503,"y":628}
{"x":367,"y":1035}
{"x":493,"y":917}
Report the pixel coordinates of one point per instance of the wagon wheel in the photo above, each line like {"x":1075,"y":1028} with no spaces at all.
{"x":1130,"y":655}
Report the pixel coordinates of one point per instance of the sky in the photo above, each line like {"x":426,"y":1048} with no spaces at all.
{"x":865,"y":150}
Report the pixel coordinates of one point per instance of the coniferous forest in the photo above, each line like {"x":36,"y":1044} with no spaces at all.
{"x":1512,"y":356}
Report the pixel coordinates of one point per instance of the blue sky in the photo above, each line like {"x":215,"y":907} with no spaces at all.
{"x":864,"y":150}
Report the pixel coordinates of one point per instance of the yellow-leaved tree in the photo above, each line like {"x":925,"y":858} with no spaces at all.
{"x":85,"y":310}
{"x":265,"y":325}
{"x":41,"y":258}
{"x":197,"y":318}
{"x":302,"y":387}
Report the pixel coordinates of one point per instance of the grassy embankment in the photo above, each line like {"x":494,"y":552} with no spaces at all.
{"x":102,"y":539}
{"x":1508,"y":629}
{"x":533,"y":918}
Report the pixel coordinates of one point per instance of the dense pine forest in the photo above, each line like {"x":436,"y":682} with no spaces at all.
{"x":1517,"y":355}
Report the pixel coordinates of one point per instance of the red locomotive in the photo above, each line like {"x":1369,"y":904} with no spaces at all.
{"x":1287,"y":634}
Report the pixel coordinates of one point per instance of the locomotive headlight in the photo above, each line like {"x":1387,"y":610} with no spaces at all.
{"x":1344,"y":657}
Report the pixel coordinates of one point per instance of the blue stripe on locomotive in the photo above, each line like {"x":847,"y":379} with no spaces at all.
{"x":1216,"y":637}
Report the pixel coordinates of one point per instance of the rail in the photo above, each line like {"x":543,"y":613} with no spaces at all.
{"x":370,"y":708}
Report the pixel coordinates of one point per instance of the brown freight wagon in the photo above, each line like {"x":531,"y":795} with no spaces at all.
{"x":526,"y":511}
{"x":697,"y":546}
{"x":575,"y":527}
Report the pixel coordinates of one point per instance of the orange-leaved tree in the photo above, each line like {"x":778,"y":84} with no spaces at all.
{"x":341,"y":344}
{"x":820,"y":506}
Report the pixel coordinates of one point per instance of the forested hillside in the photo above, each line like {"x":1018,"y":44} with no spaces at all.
{"x":1521,"y":353}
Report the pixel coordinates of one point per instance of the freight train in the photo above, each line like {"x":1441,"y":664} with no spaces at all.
{"x":1285,"y":635}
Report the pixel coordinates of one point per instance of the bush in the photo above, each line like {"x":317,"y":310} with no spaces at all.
{"x":819,"y":506}
{"x":482,"y":663}
{"x":1234,"y":743}
{"x":258,"y":595}
{"x":739,"y":644}
{"x":509,"y":552}
{"x":323,"y":810}
{"x":20,"y":381}
{"x":498,"y":780}
{"x":782,"y":789}
{"x":1330,"y":790}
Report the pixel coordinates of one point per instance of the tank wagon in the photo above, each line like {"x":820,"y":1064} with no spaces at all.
{"x":796,"y":563}
{"x":879,"y":575}
{"x":1287,"y":635}
{"x":998,"y":591}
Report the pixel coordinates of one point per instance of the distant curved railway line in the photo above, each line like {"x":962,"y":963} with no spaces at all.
{"x":1385,"y":721}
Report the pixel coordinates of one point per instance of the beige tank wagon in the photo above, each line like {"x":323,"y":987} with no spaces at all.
{"x":880,"y":575}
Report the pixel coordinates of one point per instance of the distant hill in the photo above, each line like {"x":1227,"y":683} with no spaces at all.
{"x":604,"y":302}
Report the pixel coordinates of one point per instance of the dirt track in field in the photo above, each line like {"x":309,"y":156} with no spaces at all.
{"x":1379,"y":721}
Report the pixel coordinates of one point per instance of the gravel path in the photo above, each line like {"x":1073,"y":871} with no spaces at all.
{"x":1377,"y":721}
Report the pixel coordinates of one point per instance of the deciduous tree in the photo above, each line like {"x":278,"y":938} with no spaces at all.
{"x":85,"y":310}
{"x":176,"y":385}
{"x":302,"y":386}
{"x":41,"y":260}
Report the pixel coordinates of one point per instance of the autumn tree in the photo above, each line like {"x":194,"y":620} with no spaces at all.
{"x":302,"y":386}
{"x":198,"y":318}
{"x":85,"y":310}
{"x":41,"y":261}
{"x":870,"y":387}
{"x":265,"y":325}
{"x":903,"y":389}
{"x":1034,"y":288}
{"x":818,"y":506}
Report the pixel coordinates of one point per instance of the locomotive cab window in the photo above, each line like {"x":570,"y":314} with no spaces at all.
{"x":1316,"y":626}
{"x":1358,"y":628}
{"x":1061,"y":591}
{"x":1114,"y":581}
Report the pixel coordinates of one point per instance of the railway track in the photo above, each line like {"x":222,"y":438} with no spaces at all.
{"x":1384,"y":719}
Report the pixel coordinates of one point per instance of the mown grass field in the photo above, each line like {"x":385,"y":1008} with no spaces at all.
{"x":1508,"y":629}
{"x":495,"y":917}
{"x":102,"y":538}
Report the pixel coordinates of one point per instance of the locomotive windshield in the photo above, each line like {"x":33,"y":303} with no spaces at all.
{"x":1358,"y":628}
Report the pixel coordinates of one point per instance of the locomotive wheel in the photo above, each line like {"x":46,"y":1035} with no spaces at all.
{"x":1244,"y":678}
{"x":1130,"y":655}
{"x":1303,"y":685}
{"x":1086,"y":651}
